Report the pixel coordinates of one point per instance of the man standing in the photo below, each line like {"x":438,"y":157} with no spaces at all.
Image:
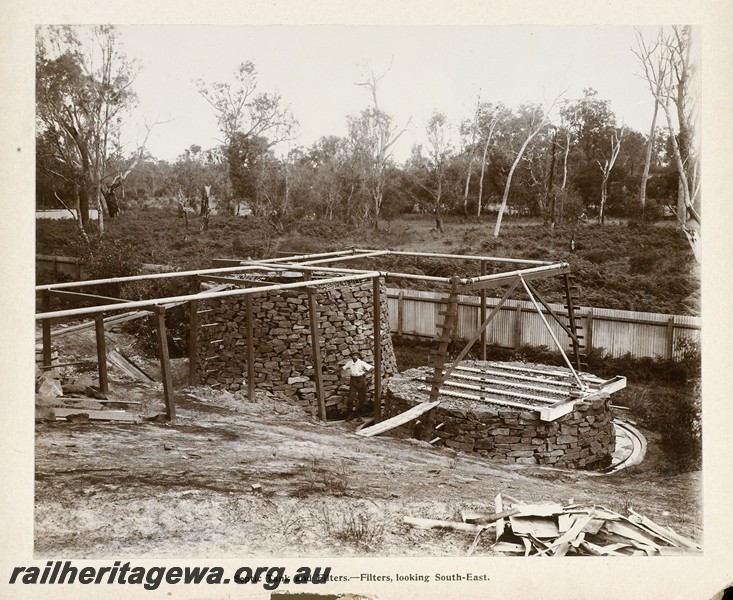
{"x":357,"y":385}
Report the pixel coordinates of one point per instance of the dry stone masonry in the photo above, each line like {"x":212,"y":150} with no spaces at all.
{"x":584,"y":438}
{"x":282,"y":342}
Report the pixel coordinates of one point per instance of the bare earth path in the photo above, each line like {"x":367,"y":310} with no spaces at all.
{"x":236,"y":478}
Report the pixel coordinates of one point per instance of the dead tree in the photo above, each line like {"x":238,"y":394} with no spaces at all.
{"x":606,"y":167}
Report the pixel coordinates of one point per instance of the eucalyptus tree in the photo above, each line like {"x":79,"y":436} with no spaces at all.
{"x":252,"y":123}
{"x":373,"y":135}
{"x":83,"y":95}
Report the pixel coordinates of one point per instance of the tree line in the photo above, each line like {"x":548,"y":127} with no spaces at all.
{"x":568,"y":160}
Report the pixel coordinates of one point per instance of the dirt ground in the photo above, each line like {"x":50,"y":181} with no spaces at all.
{"x":233,"y":477}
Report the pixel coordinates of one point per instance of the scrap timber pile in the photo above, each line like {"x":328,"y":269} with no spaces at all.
{"x":550,"y":529}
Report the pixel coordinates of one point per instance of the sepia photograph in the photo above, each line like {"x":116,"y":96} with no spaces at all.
{"x":368,"y":310}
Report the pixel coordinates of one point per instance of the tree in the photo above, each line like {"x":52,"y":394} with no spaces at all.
{"x":373,"y":135}
{"x":251,"y":123}
{"x":606,"y":167}
{"x":668,"y":71}
{"x":530,"y":121}
{"x":437,"y":133}
{"x":333,"y":177}
{"x":481,"y":129}
{"x":83,"y":92}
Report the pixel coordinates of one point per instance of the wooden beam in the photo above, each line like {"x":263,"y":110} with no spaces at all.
{"x":234,"y":280}
{"x":96,"y":415}
{"x":46,"y":328}
{"x":165,"y":367}
{"x":316,"y":349}
{"x":101,"y":353}
{"x":490,"y":390}
{"x":193,"y":333}
{"x":482,"y":315}
{"x":249,"y":316}
{"x":94,"y":298}
{"x":400,"y":419}
{"x":400,"y":313}
{"x":669,"y":340}
{"x":376,"y":297}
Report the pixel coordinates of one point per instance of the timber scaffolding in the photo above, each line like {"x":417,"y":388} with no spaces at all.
{"x":314,"y":271}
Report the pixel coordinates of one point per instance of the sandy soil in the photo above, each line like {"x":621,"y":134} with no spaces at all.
{"x":233,"y":477}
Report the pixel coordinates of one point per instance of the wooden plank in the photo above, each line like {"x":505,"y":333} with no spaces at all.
{"x":316,"y":350}
{"x":492,"y":400}
{"x":438,"y":524}
{"x":539,"y":527}
{"x":504,"y":374}
{"x":96,"y":415}
{"x":377,"y":301}
{"x":514,"y":384}
{"x":165,"y":367}
{"x":249,"y":316}
{"x":665,"y":531}
{"x":490,"y":390}
{"x":124,"y":364}
{"x":396,"y":421}
{"x":94,"y":298}
{"x":193,"y":335}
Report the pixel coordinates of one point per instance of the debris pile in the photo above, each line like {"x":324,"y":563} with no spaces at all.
{"x":551,"y":529}
{"x":76,"y":398}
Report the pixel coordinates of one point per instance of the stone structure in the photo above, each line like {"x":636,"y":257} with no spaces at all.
{"x":282,"y":342}
{"x":584,"y":438}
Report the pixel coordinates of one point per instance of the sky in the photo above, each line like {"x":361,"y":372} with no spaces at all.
{"x":426,"y":69}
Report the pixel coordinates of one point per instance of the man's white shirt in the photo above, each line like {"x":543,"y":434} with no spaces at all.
{"x":357,"y":368}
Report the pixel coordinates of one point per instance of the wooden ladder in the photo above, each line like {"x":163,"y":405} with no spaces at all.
{"x":575,"y":323}
{"x":438,"y":357}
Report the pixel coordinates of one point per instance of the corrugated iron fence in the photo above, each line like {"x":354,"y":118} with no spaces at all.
{"x":616,"y":332}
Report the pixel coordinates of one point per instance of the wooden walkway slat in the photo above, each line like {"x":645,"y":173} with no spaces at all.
{"x":396,"y":421}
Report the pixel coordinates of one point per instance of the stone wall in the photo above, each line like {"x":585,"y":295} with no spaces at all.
{"x":584,"y":438}
{"x":282,"y":342}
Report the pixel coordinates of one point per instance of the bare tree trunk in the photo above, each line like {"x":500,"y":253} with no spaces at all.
{"x":505,"y":197}
{"x":604,"y":194}
{"x":565,"y":161}
{"x":483,"y":170}
{"x":549,"y":194}
{"x":647,"y":162}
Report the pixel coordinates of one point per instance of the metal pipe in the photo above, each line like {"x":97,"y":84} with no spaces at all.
{"x":349,"y":257}
{"x":202,"y":296}
{"x":318,"y":255}
{"x":296,"y":266}
{"x":465,"y":257}
{"x":58,"y":286}
{"x":531,"y":271}
{"x":552,"y":335}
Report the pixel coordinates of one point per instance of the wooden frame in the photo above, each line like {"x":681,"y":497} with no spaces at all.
{"x":310,"y":264}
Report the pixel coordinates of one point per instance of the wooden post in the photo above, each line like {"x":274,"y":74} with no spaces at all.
{"x":589,"y":331}
{"x":46,"y":328}
{"x":316,"y":348}
{"x":483,"y":312}
{"x":165,"y":367}
{"x":193,"y":326}
{"x":250,"y":348}
{"x":101,"y":353}
{"x":400,"y":313}
{"x":193,"y":333}
{"x":517,"y":334}
{"x":669,"y":346}
{"x":376,"y":294}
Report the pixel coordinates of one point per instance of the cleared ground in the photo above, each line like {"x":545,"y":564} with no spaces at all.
{"x":233,"y":477}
